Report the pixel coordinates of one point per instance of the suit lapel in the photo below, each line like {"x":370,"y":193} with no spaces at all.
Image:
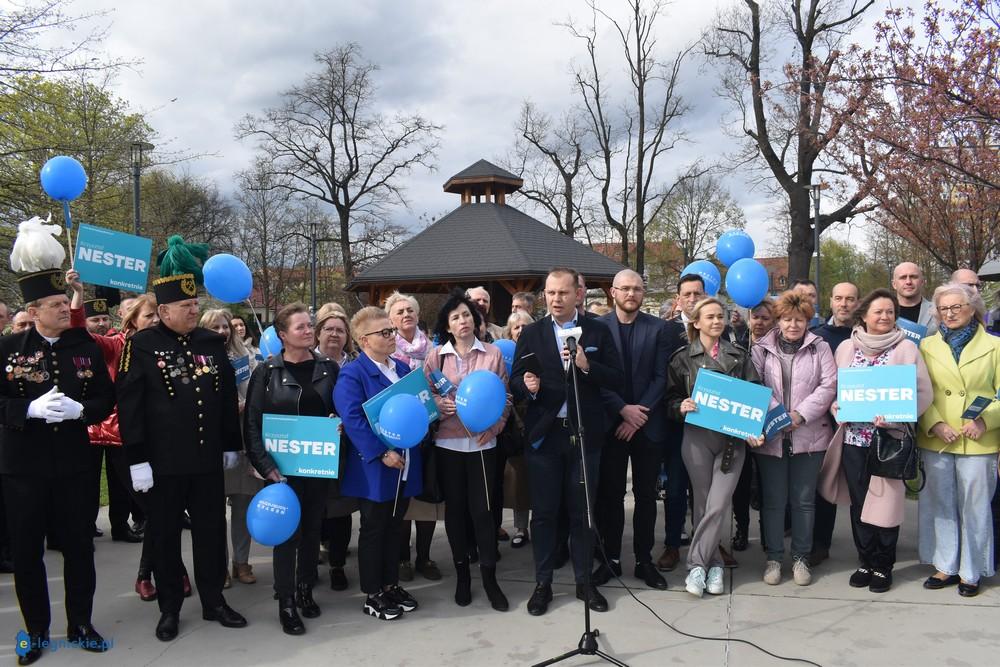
{"x":639,"y":330}
{"x":549,"y":343}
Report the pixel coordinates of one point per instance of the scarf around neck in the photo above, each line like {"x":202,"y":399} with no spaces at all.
{"x":957,"y":339}
{"x":412,"y":354}
{"x":875,"y":344}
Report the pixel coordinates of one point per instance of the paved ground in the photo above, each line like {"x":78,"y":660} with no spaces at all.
{"x":828,"y":622}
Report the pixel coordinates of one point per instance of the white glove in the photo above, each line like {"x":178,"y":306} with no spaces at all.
{"x":48,"y":406}
{"x":142,"y":477}
{"x":71,"y":409}
{"x":230,"y":460}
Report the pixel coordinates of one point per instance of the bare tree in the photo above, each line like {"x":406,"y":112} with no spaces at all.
{"x":792,"y":112}
{"x":328,"y":141}
{"x":631,"y":143}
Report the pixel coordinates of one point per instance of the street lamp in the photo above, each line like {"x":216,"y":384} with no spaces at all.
{"x":312,"y":237}
{"x":815,"y":188}
{"x":137,"y":149}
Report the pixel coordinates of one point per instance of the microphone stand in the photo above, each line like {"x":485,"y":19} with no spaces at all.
{"x":588,"y":641}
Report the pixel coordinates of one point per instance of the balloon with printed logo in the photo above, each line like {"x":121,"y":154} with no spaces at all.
{"x":480,"y":400}
{"x":709,"y":275}
{"x":507,"y":350}
{"x":733,"y":246}
{"x":273,"y":514}
{"x":747,"y":282}
{"x":227,"y":278}
{"x":63,"y":178}
{"x":270,"y":344}
{"x":402,"y":421}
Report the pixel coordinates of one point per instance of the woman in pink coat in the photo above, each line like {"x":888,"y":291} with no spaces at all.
{"x":876,"y":503}
{"x":798,"y":367}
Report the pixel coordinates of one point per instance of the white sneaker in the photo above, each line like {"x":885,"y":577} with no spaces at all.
{"x":801,"y":573}
{"x":695,"y":582}
{"x":772,"y":573}
{"x":714,"y":582}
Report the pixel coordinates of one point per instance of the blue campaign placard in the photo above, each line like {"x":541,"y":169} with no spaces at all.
{"x":776,"y":420}
{"x":413,"y":383}
{"x":303,"y":446}
{"x":889,"y":392}
{"x":113,"y":259}
{"x":728,"y":405}
{"x":242,"y":368}
{"x":976,"y":407}
{"x":915,"y":332}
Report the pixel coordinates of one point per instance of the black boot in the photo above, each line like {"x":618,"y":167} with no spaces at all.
{"x":289,"y":617}
{"x":497,"y":599}
{"x":304,"y":599}
{"x":463,"y":584}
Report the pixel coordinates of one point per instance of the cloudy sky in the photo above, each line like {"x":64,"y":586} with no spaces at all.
{"x":467,"y":66}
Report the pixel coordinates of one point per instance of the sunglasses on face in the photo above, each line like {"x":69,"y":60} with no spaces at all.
{"x":388,"y":332}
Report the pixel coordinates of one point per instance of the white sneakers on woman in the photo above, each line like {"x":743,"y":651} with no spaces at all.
{"x":800,"y":572}
{"x":772,"y":573}
{"x":695,"y":582}
{"x":714,"y":582}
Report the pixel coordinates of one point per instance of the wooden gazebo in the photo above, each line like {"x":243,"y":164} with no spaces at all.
{"x":482,"y":242}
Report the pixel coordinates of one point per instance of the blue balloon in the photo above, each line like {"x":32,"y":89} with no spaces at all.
{"x":480,"y":400}
{"x":273,"y":515}
{"x":733,"y":246}
{"x":402,"y":422}
{"x":709,"y":274}
{"x":63,"y":178}
{"x":747,"y":282}
{"x":507,"y":350}
{"x":270,"y":344}
{"x":228,"y":278}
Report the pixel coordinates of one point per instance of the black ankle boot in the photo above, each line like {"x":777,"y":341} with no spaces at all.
{"x":289,"y":617}
{"x":497,"y":599}
{"x":304,"y":599}
{"x":463,"y":584}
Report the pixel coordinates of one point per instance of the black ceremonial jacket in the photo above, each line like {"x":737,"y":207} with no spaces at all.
{"x":31,"y":366}
{"x":177,"y":405}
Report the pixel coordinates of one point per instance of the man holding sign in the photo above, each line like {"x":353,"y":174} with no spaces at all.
{"x":299,"y":383}
{"x":713,"y":459}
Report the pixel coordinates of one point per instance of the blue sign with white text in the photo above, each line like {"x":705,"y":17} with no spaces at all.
{"x":113,"y":259}
{"x":729,"y":405}
{"x":915,"y":332}
{"x":889,"y":392}
{"x":776,"y":420}
{"x":413,"y":383}
{"x":303,"y":446}
{"x":242,"y":368}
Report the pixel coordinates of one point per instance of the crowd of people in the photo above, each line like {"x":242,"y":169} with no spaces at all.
{"x":173,"y":399}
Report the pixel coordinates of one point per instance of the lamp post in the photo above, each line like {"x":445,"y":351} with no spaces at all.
{"x":312,"y":237}
{"x":137,"y":149}
{"x":815,"y":189}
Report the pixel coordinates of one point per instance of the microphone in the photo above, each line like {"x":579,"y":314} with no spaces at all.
{"x":569,"y":335}
{"x":442,"y":385}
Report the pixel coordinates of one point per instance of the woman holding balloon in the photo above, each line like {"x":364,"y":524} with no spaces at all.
{"x":382,"y":478}
{"x":295,"y":382}
{"x":467,"y":440}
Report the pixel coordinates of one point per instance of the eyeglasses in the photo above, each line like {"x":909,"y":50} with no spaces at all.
{"x":388,"y":332}
{"x":630,"y":290}
{"x":954,"y":309}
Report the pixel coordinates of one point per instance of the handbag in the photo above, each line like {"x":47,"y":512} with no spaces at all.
{"x":431,"y":492}
{"x":894,"y":457}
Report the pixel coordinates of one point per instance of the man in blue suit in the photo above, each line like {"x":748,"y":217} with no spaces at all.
{"x":638,"y":429}
{"x":552,"y":456}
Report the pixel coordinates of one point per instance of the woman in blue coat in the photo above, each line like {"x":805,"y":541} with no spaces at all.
{"x":372,"y":472}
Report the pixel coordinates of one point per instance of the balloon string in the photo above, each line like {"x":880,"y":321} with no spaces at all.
{"x":482,"y":459}
{"x":69,"y":232}
{"x":260,"y":327}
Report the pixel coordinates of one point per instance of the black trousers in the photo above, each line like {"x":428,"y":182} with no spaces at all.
{"x":675,"y":505}
{"x":140,"y":500}
{"x":826,"y":519}
{"x":337,"y":532}
{"x":465,"y":489}
{"x":610,"y":502}
{"x":295,"y":559}
{"x":203,"y":496}
{"x":554,"y":479}
{"x":378,"y":543}
{"x":34,"y":504}
{"x":425,"y":535}
{"x":119,"y":503}
{"x":496,"y":486}
{"x":876,"y":545}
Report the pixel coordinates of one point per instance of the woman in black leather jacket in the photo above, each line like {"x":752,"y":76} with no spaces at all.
{"x":299,"y":381}
{"x":713,"y":460}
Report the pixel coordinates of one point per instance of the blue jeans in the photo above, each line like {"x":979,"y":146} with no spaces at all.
{"x":788,"y":481}
{"x":956,"y":521}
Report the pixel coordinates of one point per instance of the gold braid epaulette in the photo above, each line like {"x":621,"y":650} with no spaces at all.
{"x":126,"y":358}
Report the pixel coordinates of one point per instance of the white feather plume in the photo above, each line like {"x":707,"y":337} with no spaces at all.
{"x":36,"y":248}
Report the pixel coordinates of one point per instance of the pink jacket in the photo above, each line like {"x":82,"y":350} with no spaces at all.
{"x":884,"y":503}
{"x":813,"y":388}
{"x":491,"y":360}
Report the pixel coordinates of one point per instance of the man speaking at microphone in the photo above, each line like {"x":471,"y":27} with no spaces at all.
{"x":541,"y":361}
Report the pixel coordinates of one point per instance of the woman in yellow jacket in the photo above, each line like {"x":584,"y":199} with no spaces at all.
{"x":960,"y":455}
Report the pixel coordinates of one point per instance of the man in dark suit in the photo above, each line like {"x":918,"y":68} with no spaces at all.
{"x":638,"y":429}
{"x":552,"y":456}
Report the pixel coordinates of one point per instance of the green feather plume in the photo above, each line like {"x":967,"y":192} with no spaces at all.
{"x":181,"y":257}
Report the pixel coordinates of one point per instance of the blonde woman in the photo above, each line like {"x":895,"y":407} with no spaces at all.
{"x":515,"y":480}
